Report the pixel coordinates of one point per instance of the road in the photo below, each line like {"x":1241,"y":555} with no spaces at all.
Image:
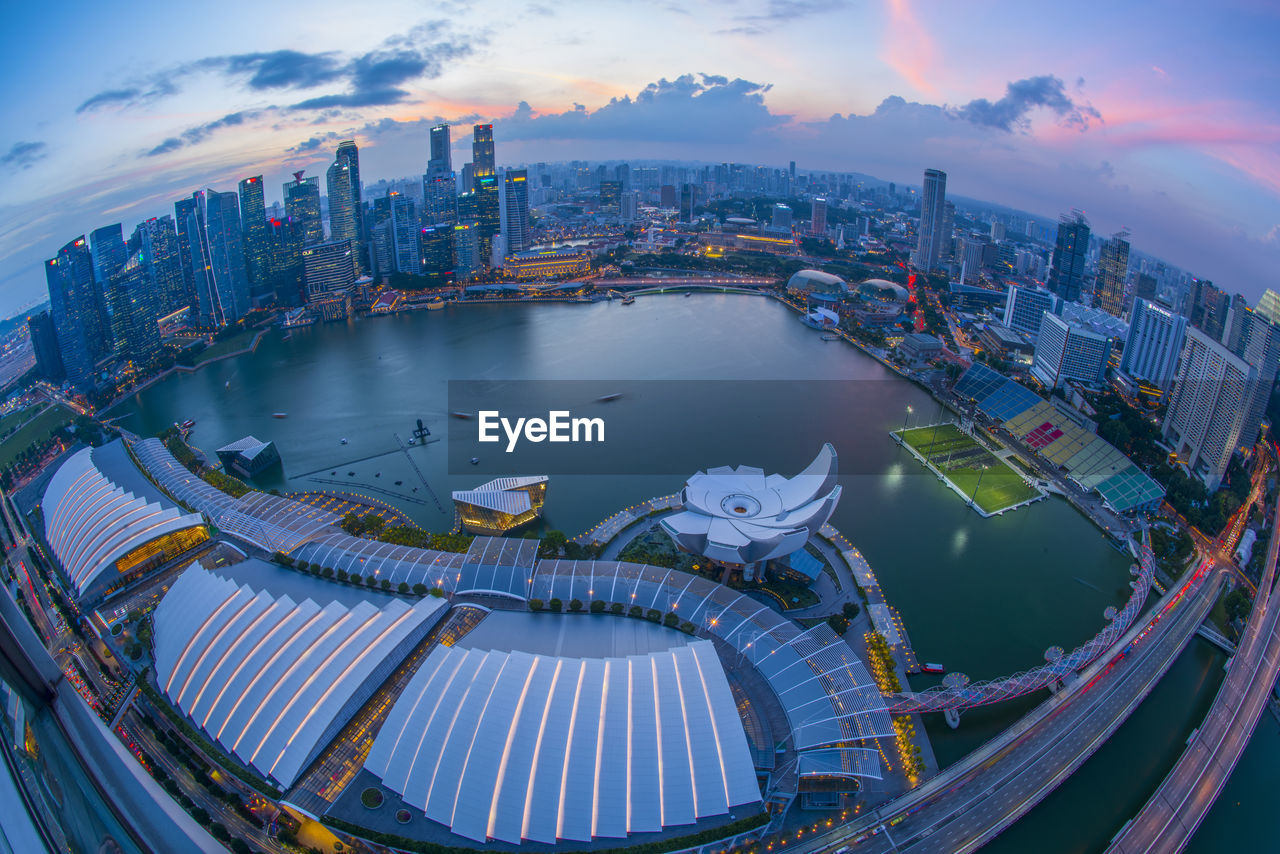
{"x":970,"y":803}
{"x":1172,"y":815}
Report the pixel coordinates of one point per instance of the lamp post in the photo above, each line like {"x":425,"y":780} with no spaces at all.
{"x":902,"y":435}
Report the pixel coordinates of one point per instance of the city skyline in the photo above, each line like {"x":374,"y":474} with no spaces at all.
{"x":1175,"y":144}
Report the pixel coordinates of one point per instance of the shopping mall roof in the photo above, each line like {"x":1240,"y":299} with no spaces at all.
{"x":513,"y":746}
{"x":272,"y":680}
{"x":91,"y":521}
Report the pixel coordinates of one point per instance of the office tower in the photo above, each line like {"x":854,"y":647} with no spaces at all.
{"x":1214,"y":305}
{"x":1262,"y":353}
{"x":1024,"y":308}
{"x":781,"y":217}
{"x":328,"y":268}
{"x":930,"y":238}
{"x":667,"y":196}
{"x":1066,"y":277}
{"x":1269,"y":306}
{"x":485,"y":176}
{"x":515,"y":185}
{"x":466,"y":250}
{"x":791,"y":171}
{"x":436,"y":249}
{"x":157,"y":238}
{"x":217,"y":258}
{"x":1208,"y":412}
{"x":349,"y":153}
{"x":44,"y":341}
{"x":285,"y":239}
{"x":109,"y":252}
{"x":396,"y":236}
{"x":1144,"y":287}
{"x":1113,"y":270}
{"x":818,"y":218}
{"x":253,"y":217}
{"x":441,"y":162}
{"x":1069,"y":351}
{"x":997,"y":230}
{"x":946,"y":252}
{"x":972,"y":258}
{"x":73,"y":305}
{"x":630,"y":209}
{"x":623,"y":175}
{"x":135,"y":305}
{"x":1235,"y":331}
{"x":610,"y":194}
{"x":1155,"y":341}
{"x":468,"y":178}
{"x":302,"y":204}
{"x":183,"y":221}
{"x":342,"y":211}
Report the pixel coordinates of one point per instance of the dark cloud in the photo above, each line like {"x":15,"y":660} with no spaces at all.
{"x":779,"y":12}
{"x":199,"y":133}
{"x":373,"y":78}
{"x":1012,"y":112}
{"x":315,"y":143}
{"x":24,"y":154}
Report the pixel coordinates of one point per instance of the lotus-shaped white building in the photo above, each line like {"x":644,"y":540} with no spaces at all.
{"x":741,"y":516}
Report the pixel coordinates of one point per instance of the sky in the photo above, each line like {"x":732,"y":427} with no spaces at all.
{"x":1162,"y":118}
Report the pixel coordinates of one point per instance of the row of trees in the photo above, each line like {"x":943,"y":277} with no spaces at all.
{"x":670,"y":619}
{"x":371,"y":580}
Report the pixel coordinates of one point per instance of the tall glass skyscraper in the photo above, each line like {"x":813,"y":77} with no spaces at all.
{"x":441,"y":153}
{"x":349,"y":153}
{"x":74,"y":306}
{"x":134,"y":297}
{"x":1066,"y":277}
{"x":217,"y":258}
{"x":930,"y":238}
{"x":1113,"y":269}
{"x":485,"y":175}
{"x":253,"y":221}
{"x":515,"y":185}
{"x":302,"y":204}
{"x":157,"y":238}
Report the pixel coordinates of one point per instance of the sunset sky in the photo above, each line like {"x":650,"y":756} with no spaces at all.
{"x":1162,"y":117}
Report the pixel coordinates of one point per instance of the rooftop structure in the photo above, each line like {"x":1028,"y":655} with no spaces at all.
{"x":105,"y":532}
{"x":816,"y":281}
{"x":514,"y":746}
{"x":740,"y":516}
{"x":502,"y":504}
{"x":883,"y":290}
{"x":273,"y":680}
{"x":249,"y":456}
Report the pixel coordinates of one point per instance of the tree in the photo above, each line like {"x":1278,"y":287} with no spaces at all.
{"x":616,"y":608}
{"x":353,"y":524}
{"x":219,"y":831}
{"x":850,"y":610}
{"x":635,"y":611}
{"x":552,"y":542}
{"x":239,"y":846}
{"x":419,"y":589}
{"x":597,"y":606}
{"x":653,"y":615}
{"x":671,"y":620}
{"x":374,"y":524}
{"x":575,"y":605}
{"x":385,"y":584}
{"x":403,"y":588}
{"x":536,"y":604}
{"x":557,"y":605}
{"x":327,"y":572}
{"x":838,"y":623}
{"x":371,"y":580}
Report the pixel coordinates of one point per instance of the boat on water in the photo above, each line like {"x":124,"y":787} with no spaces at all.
{"x":628,"y":300}
{"x":475,"y":461}
{"x":457,"y":413}
{"x":413,"y":441}
{"x":342,"y":441}
{"x":188,"y":424}
{"x":830,"y":337}
{"x":930,"y":667}
{"x":435,"y":305}
{"x":688,"y":293}
{"x":279,"y":415}
{"x":608,"y":397}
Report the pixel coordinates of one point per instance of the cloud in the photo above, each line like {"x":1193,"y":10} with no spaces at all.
{"x":779,"y":12}
{"x":1012,"y":112}
{"x":199,"y":133}
{"x":24,"y":154}
{"x":373,"y":78}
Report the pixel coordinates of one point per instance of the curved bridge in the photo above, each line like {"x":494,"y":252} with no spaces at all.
{"x":945,"y":698}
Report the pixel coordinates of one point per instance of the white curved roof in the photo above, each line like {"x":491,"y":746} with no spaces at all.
{"x":513,"y":746}
{"x":738,"y":515}
{"x":816,"y":280}
{"x":899,"y":292}
{"x":270,"y":679}
{"x":90,"y":522}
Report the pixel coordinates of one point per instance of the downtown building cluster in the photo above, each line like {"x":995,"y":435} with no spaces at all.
{"x":1210,"y":356}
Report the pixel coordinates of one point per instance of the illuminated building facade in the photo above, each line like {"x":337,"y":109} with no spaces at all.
{"x":501,"y":505}
{"x":547,"y":264}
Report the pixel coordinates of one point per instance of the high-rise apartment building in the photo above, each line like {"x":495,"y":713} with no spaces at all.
{"x":1151,"y":351}
{"x":515,"y":213}
{"x":302,"y":204}
{"x":930,"y":236}
{"x":1024,"y":308}
{"x":1113,"y":270}
{"x":44,"y":343}
{"x":818,"y":218}
{"x":1066,"y":276}
{"x":253,"y":222}
{"x":74,"y":307}
{"x":1068,"y":351}
{"x":1209,"y":413}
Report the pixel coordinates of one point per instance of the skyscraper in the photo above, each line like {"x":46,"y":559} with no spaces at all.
{"x":109,"y":253}
{"x":933,"y":200}
{"x":515,"y":185}
{"x":183,"y":222}
{"x":1269,"y":306}
{"x":610,"y":194}
{"x":73,"y":305}
{"x":342,"y":210}
{"x":44,"y":341}
{"x":946,"y":252}
{"x":253,"y":216}
{"x":133,"y":294}
{"x":285,"y":239}
{"x":217,"y":258}
{"x":1066,"y":277}
{"x":1024,"y":308}
{"x":158,"y":239}
{"x":302,"y":204}
{"x":328,"y":268}
{"x":396,"y":237}
{"x":1113,"y":269}
{"x":485,"y":175}
{"x":466,"y":250}
{"x":1208,"y":412}
{"x":1068,"y":351}
{"x":818,"y":219}
{"x":441,"y":162}
{"x":1262,"y":353}
{"x":436,"y":249}
{"x":1155,"y":341}
{"x":780,"y":218}
{"x":349,"y":153}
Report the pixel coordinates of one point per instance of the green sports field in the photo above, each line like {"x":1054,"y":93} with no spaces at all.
{"x":968,"y":464}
